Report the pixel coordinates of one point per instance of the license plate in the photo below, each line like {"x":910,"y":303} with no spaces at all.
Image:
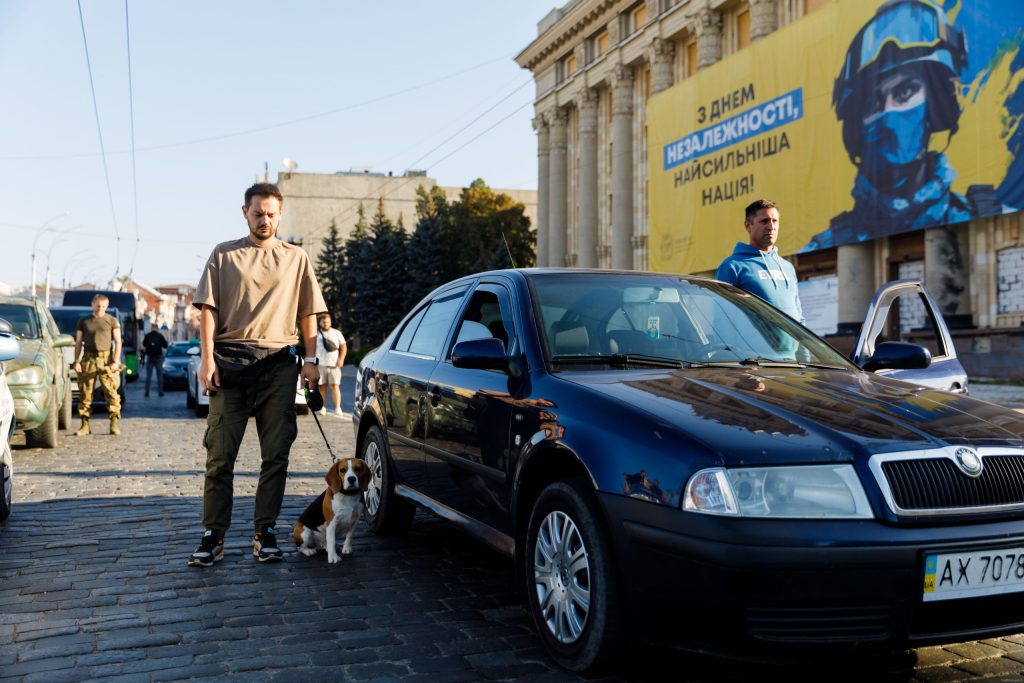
{"x":952,"y":576}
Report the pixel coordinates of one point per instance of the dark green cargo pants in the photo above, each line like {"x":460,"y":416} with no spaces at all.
{"x":271,"y":398}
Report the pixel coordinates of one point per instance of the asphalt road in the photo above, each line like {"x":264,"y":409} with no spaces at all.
{"x":94,"y":585}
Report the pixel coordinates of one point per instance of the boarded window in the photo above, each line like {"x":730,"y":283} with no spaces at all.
{"x":1010,"y":280}
{"x":638,"y":17}
{"x":570,"y":66}
{"x":743,"y":29}
{"x":691,"y":58}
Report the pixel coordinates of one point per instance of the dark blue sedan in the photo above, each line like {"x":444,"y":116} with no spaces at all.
{"x":671,"y":456}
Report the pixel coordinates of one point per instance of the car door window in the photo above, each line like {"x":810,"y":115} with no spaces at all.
{"x":908,"y":318}
{"x":488,"y":314}
{"x":428,"y":340}
{"x":405,"y":338}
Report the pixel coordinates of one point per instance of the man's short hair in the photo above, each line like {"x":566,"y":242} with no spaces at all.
{"x":756,"y":206}
{"x":323,"y":316}
{"x":101,"y":298}
{"x":263,"y":190}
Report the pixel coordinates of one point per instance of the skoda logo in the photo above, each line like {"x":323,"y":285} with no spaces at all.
{"x":968,"y":461}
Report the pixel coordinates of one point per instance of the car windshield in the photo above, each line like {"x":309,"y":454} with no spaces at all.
{"x":23,"y":320}
{"x":640,"y":319}
{"x":177,"y":351}
{"x":67,"y":319}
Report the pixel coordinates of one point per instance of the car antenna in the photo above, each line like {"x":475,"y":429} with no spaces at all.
{"x":512,"y":260}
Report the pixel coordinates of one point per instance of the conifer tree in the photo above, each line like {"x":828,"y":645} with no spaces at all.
{"x":330,"y":267}
{"x":387,"y":278}
{"x":355,"y":278}
{"x":427,"y":245}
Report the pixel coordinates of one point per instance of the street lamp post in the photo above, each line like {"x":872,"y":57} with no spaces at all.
{"x":49,"y":252}
{"x":42,"y":229}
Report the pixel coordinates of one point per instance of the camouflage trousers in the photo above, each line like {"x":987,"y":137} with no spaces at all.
{"x":94,"y":366}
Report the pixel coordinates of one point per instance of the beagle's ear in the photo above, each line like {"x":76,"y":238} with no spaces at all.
{"x":334,"y":477}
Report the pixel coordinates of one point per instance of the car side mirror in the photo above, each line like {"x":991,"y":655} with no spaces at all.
{"x":193,"y":351}
{"x":481,"y":354}
{"x":898,"y":356}
{"x":63,"y":341}
{"x":10,"y":347}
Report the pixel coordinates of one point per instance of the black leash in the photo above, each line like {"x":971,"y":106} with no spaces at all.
{"x":315,"y":402}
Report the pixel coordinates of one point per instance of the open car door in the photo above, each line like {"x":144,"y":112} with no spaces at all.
{"x":904,"y":311}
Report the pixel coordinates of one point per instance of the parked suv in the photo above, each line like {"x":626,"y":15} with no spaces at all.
{"x":39,"y":378}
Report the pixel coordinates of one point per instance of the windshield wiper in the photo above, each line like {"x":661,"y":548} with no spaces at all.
{"x":772,"y":362}
{"x":622,"y":359}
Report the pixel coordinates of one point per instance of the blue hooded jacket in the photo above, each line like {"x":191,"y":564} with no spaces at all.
{"x":765,"y":274}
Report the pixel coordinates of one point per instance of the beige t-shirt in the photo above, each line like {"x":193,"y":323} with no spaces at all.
{"x":260,"y":293}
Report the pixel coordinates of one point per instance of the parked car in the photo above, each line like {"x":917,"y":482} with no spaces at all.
{"x":66,"y":318}
{"x":196,"y":399}
{"x":673,"y":457}
{"x":175,"y":368}
{"x":9,"y":350}
{"x":38,"y":378}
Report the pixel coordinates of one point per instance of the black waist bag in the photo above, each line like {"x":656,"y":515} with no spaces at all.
{"x":241,"y":364}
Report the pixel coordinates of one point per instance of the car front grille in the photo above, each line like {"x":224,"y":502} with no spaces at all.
{"x":822,"y":624}
{"x":936,"y":485}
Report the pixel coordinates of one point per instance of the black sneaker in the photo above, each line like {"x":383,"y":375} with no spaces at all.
{"x":210,"y":550}
{"x":264,"y":546}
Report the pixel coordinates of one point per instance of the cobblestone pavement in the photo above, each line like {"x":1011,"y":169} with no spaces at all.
{"x":93,"y":583}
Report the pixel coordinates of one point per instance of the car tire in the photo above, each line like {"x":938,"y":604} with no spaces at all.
{"x":385,"y":512}
{"x":5,"y":494}
{"x":45,"y":435}
{"x":64,"y":417}
{"x":575,"y":606}
{"x":201,"y":410}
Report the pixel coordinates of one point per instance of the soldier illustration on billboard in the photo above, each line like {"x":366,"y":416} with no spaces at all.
{"x":899,"y":84}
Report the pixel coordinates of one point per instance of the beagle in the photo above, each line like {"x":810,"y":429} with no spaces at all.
{"x":335,"y":510}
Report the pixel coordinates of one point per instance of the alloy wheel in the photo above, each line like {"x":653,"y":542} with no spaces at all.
{"x":561,"y":573}
{"x":372,"y":458}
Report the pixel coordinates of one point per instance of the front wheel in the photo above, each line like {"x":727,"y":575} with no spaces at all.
{"x":45,"y":435}
{"x":571,"y":580}
{"x":386,"y":513}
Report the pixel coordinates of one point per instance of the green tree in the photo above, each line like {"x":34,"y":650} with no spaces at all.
{"x":386,"y":277}
{"x":427,"y":253}
{"x":482,"y":222}
{"x":330,"y":269}
{"x":354,"y":279}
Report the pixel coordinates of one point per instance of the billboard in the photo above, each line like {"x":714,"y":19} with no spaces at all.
{"x":862,"y":119}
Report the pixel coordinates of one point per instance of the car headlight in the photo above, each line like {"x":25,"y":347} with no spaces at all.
{"x":805,"y":491}
{"x":33,"y":374}
{"x":168,"y":367}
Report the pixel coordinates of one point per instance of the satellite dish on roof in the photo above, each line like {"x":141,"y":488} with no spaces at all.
{"x":290,"y":164}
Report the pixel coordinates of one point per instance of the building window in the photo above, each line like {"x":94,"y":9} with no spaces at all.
{"x":570,"y":65}
{"x":597,"y":46}
{"x":633,"y":19}
{"x":743,"y":29}
{"x":1010,"y":280}
{"x":691,"y":58}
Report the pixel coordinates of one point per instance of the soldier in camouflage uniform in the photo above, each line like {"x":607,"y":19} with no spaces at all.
{"x":97,"y":333}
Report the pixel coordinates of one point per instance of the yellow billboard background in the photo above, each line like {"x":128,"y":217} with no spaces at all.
{"x":696,"y":219}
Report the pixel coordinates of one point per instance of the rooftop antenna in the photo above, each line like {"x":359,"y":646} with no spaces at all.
{"x":508,"y":250}
{"x":289,"y":164}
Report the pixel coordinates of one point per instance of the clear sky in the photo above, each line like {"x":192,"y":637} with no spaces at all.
{"x":217,"y":89}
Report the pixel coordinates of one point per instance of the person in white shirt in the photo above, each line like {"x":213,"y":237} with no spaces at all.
{"x":330,"y":350}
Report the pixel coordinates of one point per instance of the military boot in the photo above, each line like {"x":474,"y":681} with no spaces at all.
{"x":84,"y":429}
{"x":114,"y":429}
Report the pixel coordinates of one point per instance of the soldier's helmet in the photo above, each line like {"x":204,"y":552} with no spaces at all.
{"x":902,"y":33}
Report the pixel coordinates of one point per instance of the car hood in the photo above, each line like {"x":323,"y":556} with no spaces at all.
{"x":780,"y":415}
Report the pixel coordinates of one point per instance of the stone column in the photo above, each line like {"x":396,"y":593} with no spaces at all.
{"x":661,"y":54}
{"x":764,"y":18}
{"x":708,"y":28}
{"x":587,"y":104}
{"x":855,"y":268}
{"x":558,"y":183}
{"x":622,"y":169}
{"x":540,"y":124}
{"x":946,"y":258}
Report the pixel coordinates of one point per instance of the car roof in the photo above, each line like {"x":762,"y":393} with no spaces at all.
{"x":20,"y":300}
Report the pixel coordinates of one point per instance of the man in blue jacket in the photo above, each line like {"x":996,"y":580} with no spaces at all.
{"x":757,"y":267}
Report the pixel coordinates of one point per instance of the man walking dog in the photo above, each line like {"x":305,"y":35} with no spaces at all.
{"x":252,"y":293}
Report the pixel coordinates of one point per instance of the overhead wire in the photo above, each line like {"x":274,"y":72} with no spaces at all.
{"x":131,"y":127}
{"x":99,"y":131}
{"x":260,"y":129}
{"x":347,"y":213}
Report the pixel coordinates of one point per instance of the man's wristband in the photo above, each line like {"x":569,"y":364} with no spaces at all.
{"x":314,"y":360}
